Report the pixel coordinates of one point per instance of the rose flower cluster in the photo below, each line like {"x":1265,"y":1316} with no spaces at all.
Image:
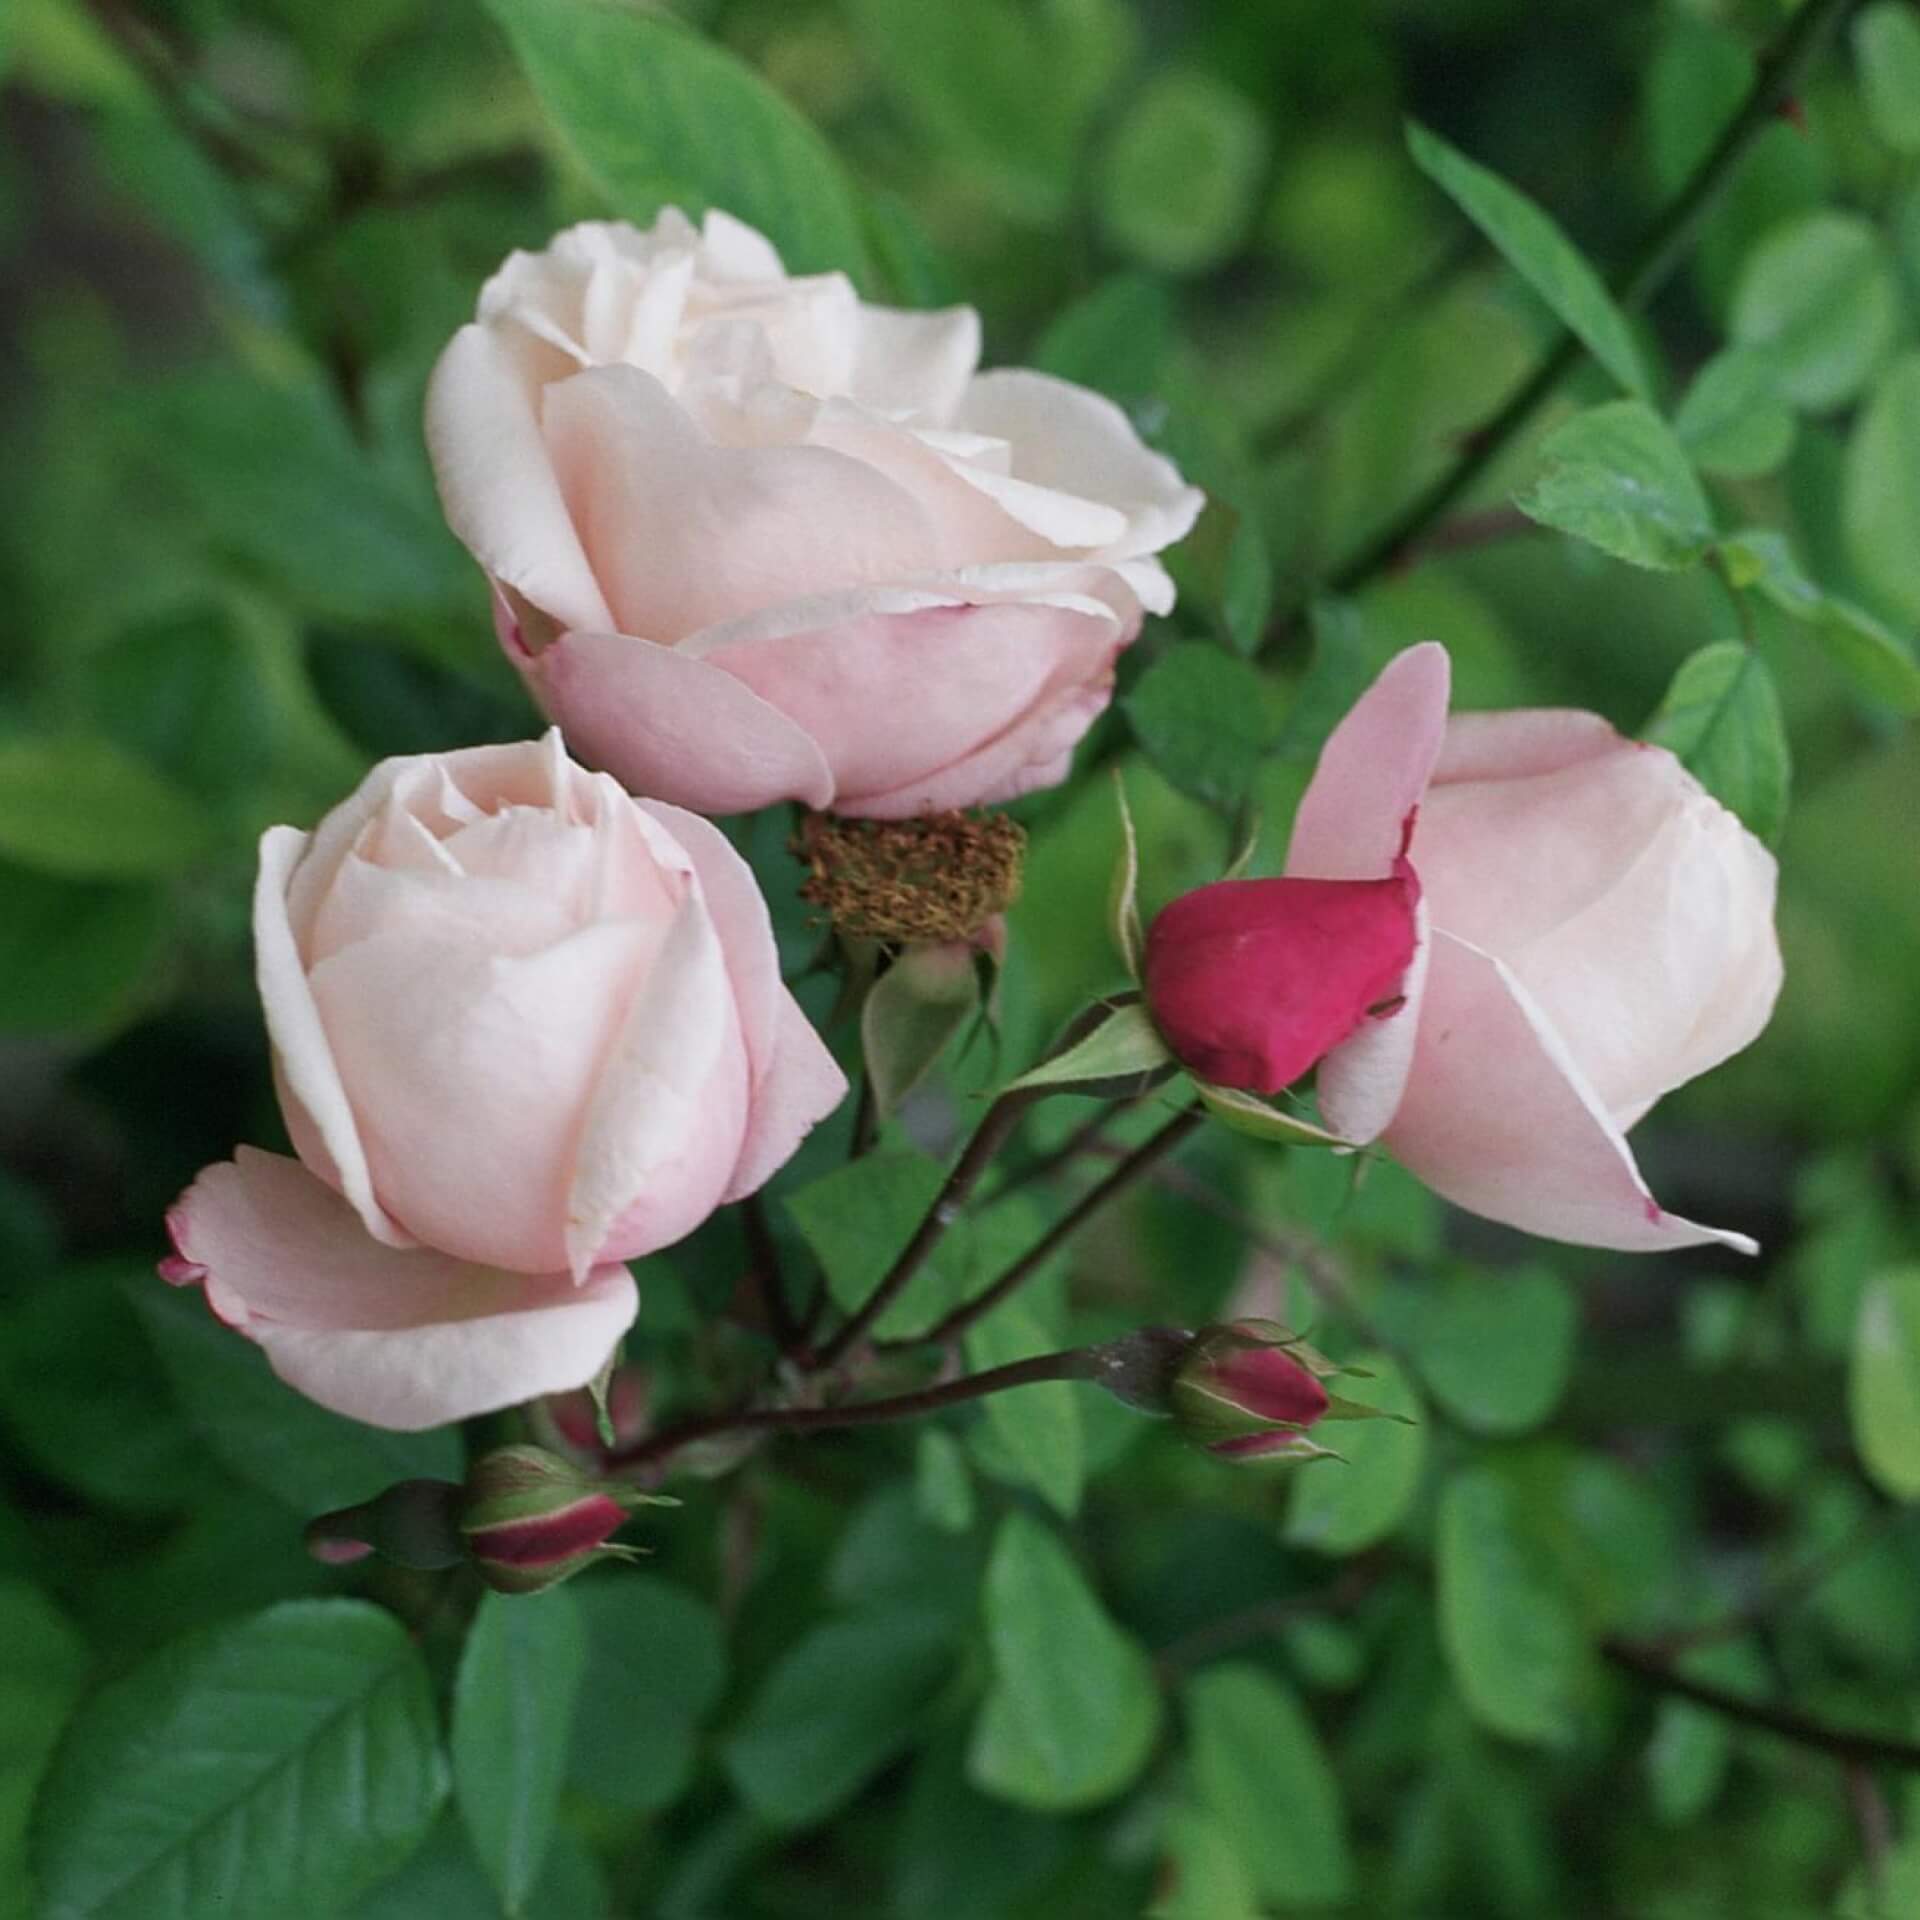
{"x":753,"y":540}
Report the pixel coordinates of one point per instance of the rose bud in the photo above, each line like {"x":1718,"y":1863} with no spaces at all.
{"x":1250,"y":982}
{"x":753,"y":539}
{"x":1244,"y":1381}
{"x":569,"y":1423}
{"x":525,"y":1029}
{"x":1594,"y":930}
{"x":415,"y":1523}
{"x":531,"y":1519}
{"x":1278,"y":1446}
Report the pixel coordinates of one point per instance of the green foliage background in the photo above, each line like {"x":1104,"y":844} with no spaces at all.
{"x":1035,"y":1658}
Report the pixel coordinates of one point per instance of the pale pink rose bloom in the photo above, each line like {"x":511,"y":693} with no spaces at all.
{"x":525,"y":1028}
{"x":1595,"y":930}
{"x":753,"y":539}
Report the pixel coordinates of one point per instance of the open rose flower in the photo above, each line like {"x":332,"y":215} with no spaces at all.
{"x":525,"y":1028}
{"x":753,"y":539}
{"x":1587,"y":930}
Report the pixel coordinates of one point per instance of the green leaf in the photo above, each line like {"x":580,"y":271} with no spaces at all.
{"x":1247,"y":1114}
{"x":988,"y":81}
{"x":840,"y":1704}
{"x":80,"y":1390}
{"x":1691,"y":1747}
{"x":1206,"y":1877}
{"x":1202,"y":715}
{"x":1124,"y":1046}
{"x":76,"y":956}
{"x":1819,"y":291}
{"x":79,"y":807}
{"x":912,"y":1013}
{"x":1881,"y":500}
{"x":1510,"y":1629}
{"x":1252,"y":1751}
{"x":961,"y":1856}
{"x":1533,"y":245}
{"x":1119,"y":338}
{"x":1686,"y":1760}
{"x":1721,"y":716}
{"x":1883,"y":1383}
{"x":272,"y":1767}
{"x":444,"y":1881}
{"x":266,"y":1433}
{"x":656,"y":115}
{"x":264,"y":467}
{"x":1182,"y":172}
{"x":1876,"y":659}
{"x":46,"y":1662}
{"x":857,"y":1218}
{"x":1073,"y":1712}
{"x":656,"y":1660}
{"x":513,"y":1702}
{"x":1886,"y":42}
{"x":1340,"y":1508}
{"x":1732,"y":421}
{"x":185,"y":692}
{"x":1616,"y":477}
{"x":1495,"y":1347}
{"x":1038,"y":1426}
{"x":1246,"y":584}
{"x":942,"y":1485}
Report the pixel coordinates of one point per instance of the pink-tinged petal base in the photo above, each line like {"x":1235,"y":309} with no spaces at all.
{"x":401,"y":1338}
{"x":796,"y":1081}
{"x":663,"y":722}
{"x":497,"y":483}
{"x":1251,"y":981}
{"x":1361,"y":1082}
{"x":1515,"y":746}
{"x":319,"y":1118}
{"x":1498,"y":1119}
{"x":663,"y":1129}
{"x":799,"y":1086}
{"x":1353,"y":818}
{"x":921,"y":700}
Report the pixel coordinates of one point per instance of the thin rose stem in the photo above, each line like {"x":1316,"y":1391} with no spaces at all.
{"x":771,"y":1283}
{"x":988,"y":1137}
{"x":1843,"y":1743}
{"x":1141,"y":1161}
{"x":1072,"y":1363}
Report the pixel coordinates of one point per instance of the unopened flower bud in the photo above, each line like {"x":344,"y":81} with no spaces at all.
{"x":1252,"y":982}
{"x":531,"y":1519}
{"x":1276,"y":1447}
{"x":569,"y":1423}
{"x":413,"y":1524}
{"x":1250,"y":1380}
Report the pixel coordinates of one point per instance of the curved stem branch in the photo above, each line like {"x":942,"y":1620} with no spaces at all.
{"x":1654,"y":262}
{"x":988,"y":1138}
{"x":1842,"y":1743}
{"x":1072,"y":1363}
{"x":1141,"y":1161}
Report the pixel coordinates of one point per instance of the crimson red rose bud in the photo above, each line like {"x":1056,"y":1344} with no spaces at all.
{"x":1252,"y":981}
{"x":1250,"y":1380}
{"x":531,"y":1519}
